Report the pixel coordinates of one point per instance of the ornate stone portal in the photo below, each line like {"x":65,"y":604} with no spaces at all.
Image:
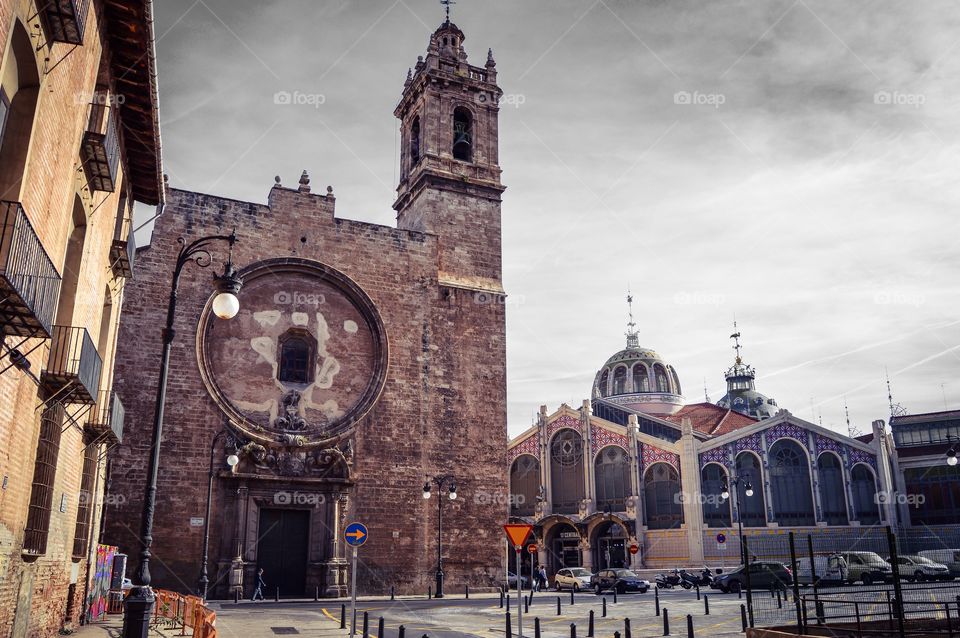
{"x":293,"y":372}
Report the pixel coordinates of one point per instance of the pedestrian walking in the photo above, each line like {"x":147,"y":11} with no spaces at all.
{"x":260,"y":585}
{"x":542,"y":578}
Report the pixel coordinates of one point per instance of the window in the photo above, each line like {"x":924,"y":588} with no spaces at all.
{"x":297,"y":357}
{"x":831,"y":489}
{"x":939,"y":486}
{"x":790,"y":484}
{"x":641,"y":382}
{"x":661,"y":376}
{"x":753,"y":511}
{"x":676,"y":381}
{"x":81,"y":536}
{"x":462,"y":134}
{"x":612,"y":476}
{"x":864,"y":489}
{"x":716,"y":511}
{"x":415,"y":141}
{"x":619,"y":380}
{"x":566,"y":471}
{"x":20,"y":81}
{"x":603,"y":383}
{"x":4,"y":109}
{"x":44,"y":474}
{"x":662,"y":491}
{"x":524,"y":485}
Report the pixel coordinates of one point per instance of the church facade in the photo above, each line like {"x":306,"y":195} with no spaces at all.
{"x":634,"y":477}
{"x":365,"y":361}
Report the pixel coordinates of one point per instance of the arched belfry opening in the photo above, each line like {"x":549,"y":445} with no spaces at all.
{"x":462,"y":134}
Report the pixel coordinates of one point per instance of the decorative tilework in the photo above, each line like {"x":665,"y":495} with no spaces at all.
{"x":787,"y":429}
{"x":853,"y":455}
{"x":603,"y":437}
{"x":825,"y":443}
{"x":530,"y":445}
{"x":719,"y":455}
{"x":564,"y":421}
{"x":859,"y":456}
{"x":650,"y":454}
{"x":751,"y":443}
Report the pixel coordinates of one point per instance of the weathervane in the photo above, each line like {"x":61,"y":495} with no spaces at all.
{"x":447,"y":3}
{"x":632,"y":340}
{"x":736,"y":340}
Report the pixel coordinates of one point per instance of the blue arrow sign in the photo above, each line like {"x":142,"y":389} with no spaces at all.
{"x":721,"y":538}
{"x":355,"y":534}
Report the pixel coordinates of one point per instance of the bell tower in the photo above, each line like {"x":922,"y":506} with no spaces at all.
{"x":449,"y":164}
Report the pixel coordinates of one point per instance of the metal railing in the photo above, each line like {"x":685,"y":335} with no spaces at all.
{"x":29,"y":282}
{"x":107,"y":416}
{"x":122,"y":253}
{"x":101,"y":145}
{"x":65,"y":19}
{"x":73,"y":368}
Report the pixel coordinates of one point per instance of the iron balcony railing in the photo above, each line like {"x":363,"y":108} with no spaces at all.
{"x":100,"y":150}
{"x":72,"y":373}
{"x":29,"y":282}
{"x":64,"y":19}
{"x":107,"y":417}
{"x":122,"y":252}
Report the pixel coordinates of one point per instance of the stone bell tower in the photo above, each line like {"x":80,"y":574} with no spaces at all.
{"x":449,"y":165}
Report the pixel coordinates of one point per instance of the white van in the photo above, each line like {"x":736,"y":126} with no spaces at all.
{"x":948,"y":557}
{"x":830,"y":569}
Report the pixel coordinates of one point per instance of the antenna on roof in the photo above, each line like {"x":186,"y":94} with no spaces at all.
{"x":706,"y":395}
{"x":852,"y":432}
{"x":447,"y":3}
{"x":632,"y":340}
{"x":895,"y":408}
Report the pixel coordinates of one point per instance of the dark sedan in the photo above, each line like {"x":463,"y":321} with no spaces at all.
{"x":763,"y":575}
{"x":621,"y":580}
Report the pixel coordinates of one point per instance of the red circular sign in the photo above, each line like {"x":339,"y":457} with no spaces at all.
{"x":532,"y":548}
{"x":634,"y":549}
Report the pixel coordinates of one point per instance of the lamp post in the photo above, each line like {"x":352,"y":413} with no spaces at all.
{"x":232,"y":459}
{"x":138,"y":606}
{"x":445,"y":481}
{"x":952,"y":452}
{"x":744,"y":558}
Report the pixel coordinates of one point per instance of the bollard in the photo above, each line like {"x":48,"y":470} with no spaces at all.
{"x":698,"y":591}
{"x":571,"y":596}
{"x":316,"y":594}
{"x":276,"y":596}
{"x":779,"y":601}
{"x":614,"y":595}
{"x":508,"y":604}
{"x":366,"y":625}
{"x":626,"y":628}
{"x":656,"y":600}
{"x":526,"y":605}
{"x":604,"y":614}
{"x":466,"y":591}
{"x":536,"y":627}
{"x":380,"y":628}
{"x":501,"y":598}
{"x":429,"y":593}
{"x":573,"y":631}
{"x":743,"y":618}
{"x":666,"y":623}
{"x":689,"y":626}
{"x":739,"y":592}
{"x":616,"y":634}
{"x":590,"y":625}
{"x":343,"y":616}
{"x":509,"y":627}
{"x":558,"y":605}
{"x":236,"y":595}
{"x":706,"y":605}
{"x":391,"y":592}
{"x":403,"y":630}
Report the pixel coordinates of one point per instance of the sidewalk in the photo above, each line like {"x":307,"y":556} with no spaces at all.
{"x":227,"y":627}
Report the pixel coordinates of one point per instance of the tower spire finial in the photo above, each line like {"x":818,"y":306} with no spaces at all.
{"x":736,"y":341}
{"x":633,"y":340}
{"x":446,"y":4}
{"x":895,"y":408}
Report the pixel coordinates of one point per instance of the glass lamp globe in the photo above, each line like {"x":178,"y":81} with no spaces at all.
{"x":951,"y":458}
{"x":232,"y":460}
{"x":426,"y":490}
{"x":453,"y":493}
{"x":226,"y":305}
{"x":725,"y":494}
{"x":749,"y":490}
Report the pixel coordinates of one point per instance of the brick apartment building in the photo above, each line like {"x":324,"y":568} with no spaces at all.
{"x":364,"y":361}
{"x":78,"y":145}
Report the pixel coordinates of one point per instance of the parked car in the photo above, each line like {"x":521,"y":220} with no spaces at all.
{"x":763,"y":575}
{"x":918,"y":568}
{"x":575,"y":578}
{"x":867,"y":568}
{"x":948,"y":557}
{"x":830,"y":569}
{"x":512,"y":581}
{"x":621,"y":580}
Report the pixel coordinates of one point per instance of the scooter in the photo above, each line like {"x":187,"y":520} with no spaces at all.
{"x":706,"y":577}
{"x":667,"y":581}
{"x":687,"y":580}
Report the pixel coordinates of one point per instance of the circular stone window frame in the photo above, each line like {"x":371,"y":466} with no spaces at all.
{"x":345,"y":426}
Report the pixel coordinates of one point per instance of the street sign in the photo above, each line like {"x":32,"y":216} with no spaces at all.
{"x":634,"y":549}
{"x":532,"y":548}
{"x":721,"y":538}
{"x":517,"y":533}
{"x":355,"y":534}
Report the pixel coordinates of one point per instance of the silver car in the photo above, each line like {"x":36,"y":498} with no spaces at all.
{"x":575,"y":578}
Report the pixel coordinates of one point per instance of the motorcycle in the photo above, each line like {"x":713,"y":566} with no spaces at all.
{"x":706,"y":577}
{"x":687,"y":580}
{"x":667,"y":581}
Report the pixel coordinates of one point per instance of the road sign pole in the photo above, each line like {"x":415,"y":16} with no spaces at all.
{"x":518,"y":548}
{"x":353,"y":595}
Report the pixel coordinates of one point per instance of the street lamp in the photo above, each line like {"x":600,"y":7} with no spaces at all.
{"x":952,"y":452}
{"x":744,"y":559}
{"x":232,"y":460}
{"x":445,"y":481}
{"x":138,"y":607}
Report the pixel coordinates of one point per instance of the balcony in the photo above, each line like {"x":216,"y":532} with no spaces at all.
{"x":100,"y":149}
{"x":72,"y":373}
{"x":64,"y":19}
{"x":29,"y":283}
{"x":122,"y":252}
{"x":107,"y":417}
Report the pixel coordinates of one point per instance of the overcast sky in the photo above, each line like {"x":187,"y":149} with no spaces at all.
{"x":792,"y":163}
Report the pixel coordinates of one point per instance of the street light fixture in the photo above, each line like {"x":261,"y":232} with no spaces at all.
{"x":138,"y":607}
{"x":952,"y":452}
{"x":441,"y":482}
{"x":232,"y":460}
{"x":744,"y":559}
